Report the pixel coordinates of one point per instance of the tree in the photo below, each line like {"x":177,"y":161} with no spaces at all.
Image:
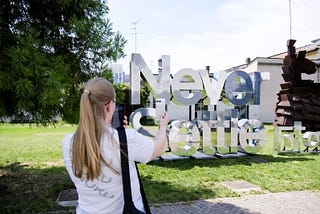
{"x":48,"y":49}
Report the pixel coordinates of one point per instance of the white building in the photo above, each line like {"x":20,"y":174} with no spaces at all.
{"x":273,"y":65}
{"x":118,"y":73}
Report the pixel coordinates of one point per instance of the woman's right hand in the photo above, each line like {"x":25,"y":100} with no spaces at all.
{"x":164,"y":120}
{"x":160,"y":140}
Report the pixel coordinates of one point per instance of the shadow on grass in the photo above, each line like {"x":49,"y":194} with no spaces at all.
{"x":185,"y":164}
{"x":25,"y":189}
{"x":159,"y":192}
{"x":202,"y":206}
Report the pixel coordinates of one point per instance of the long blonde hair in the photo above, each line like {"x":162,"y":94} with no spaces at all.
{"x":86,"y":154}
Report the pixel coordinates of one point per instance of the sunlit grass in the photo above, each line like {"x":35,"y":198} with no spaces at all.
{"x":32,"y":144}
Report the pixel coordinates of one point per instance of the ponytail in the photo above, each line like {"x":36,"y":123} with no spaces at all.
{"x":86,"y":152}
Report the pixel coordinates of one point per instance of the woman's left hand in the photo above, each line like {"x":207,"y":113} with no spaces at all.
{"x":125,"y":121}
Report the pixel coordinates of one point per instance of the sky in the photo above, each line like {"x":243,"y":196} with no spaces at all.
{"x":216,"y":33}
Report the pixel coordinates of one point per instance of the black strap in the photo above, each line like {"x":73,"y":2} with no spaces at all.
{"x":124,"y":165}
{"x":143,"y":194}
{"x":126,"y":174}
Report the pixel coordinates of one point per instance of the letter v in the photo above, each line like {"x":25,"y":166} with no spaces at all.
{"x":214,"y":89}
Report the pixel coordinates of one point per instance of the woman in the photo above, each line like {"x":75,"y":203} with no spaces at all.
{"x":92,"y":153}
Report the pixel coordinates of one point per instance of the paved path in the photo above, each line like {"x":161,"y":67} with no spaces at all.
{"x":302,"y":202}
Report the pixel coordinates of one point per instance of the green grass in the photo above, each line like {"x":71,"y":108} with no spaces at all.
{"x":194,"y":179}
{"x":32,"y":173}
{"x":31,"y":167}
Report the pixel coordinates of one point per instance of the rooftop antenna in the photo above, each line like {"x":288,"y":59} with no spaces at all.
{"x":290,"y":18}
{"x":135,"y":34}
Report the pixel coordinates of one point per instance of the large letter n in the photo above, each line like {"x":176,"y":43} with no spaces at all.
{"x":159,"y":88}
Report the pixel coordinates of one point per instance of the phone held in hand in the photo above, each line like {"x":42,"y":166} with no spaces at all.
{"x":160,"y":107}
{"x":118,"y":116}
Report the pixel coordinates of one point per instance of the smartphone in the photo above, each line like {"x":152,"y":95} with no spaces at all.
{"x":160,"y":107}
{"x":118,"y":116}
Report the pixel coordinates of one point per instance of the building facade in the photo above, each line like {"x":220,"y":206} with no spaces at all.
{"x":273,"y":65}
{"x":118,"y":73}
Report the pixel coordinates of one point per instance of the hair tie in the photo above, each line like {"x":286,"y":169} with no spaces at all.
{"x":86,"y":91}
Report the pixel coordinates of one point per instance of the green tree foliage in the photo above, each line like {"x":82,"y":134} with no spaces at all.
{"x":144,"y":95}
{"x":121,"y":90}
{"x":48,"y":49}
{"x":123,"y":93}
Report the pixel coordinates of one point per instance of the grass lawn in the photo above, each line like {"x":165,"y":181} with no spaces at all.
{"x":32,"y":173}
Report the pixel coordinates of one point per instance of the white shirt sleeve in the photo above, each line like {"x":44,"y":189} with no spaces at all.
{"x":140,"y":147}
{"x":66,"y":150}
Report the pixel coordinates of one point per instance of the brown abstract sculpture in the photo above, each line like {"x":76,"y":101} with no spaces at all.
{"x":298,"y":100}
